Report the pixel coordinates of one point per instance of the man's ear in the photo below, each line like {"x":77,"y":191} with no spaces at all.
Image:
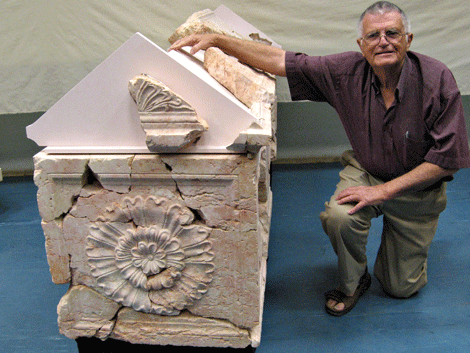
{"x":359,"y":42}
{"x":409,"y":38}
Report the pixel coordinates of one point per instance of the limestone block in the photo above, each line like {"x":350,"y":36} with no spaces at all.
{"x":102,"y":164}
{"x":119,"y":166}
{"x":247,"y":84}
{"x":184,"y":242}
{"x":202,"y":22}
{"x":253,"y":88}
{"x":83,"y":312}
{"x":57,"y":251}
{"x":149,"y":164}
{"x":58,"y":183}
{"x":170,"y":123}
{"x":186,"y":330}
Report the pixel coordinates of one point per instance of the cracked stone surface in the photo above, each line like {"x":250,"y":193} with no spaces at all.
{"x":85,"y":313}
{"x":248,"y":85}
{"x":202,"y":22}
{"x":167,"y":240}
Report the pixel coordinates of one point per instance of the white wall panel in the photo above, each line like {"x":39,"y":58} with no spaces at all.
{"x":48,"y":46}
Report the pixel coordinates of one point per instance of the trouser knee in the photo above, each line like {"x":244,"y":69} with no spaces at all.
{"x":337,"y":222}
{"x":401,"y":285}
{"x":348,"y":233}
{"x":402,"y":292}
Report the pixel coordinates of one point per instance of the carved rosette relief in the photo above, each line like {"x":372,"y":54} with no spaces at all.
{"x":148,"y":255}
{"x":170,"y":123}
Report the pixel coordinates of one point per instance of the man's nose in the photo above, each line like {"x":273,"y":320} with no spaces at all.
{"x":383,"y":40}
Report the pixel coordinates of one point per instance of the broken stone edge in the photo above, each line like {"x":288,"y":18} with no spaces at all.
{"x":202,"y":22}
{"x":254,"y":88}
{"x":83,"y":312}
{"x":170,"y":123}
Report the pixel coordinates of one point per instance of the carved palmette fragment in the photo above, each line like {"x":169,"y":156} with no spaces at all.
{"x":170,"y":123}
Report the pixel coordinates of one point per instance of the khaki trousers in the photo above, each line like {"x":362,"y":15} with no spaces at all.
{"x":409,"y":225}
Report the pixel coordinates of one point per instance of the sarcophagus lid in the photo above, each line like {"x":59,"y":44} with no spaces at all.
{"x":143,"y":99}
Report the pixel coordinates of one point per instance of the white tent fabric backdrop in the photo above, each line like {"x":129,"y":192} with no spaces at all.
{"x":48,"y":46}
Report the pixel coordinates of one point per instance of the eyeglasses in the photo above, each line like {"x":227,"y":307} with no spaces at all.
{"x":392,"y":36}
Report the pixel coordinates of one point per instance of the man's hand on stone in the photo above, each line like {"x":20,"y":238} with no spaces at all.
{"x":196,"y":42}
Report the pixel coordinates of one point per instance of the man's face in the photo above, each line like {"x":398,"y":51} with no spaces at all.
{"x":386,"y":52}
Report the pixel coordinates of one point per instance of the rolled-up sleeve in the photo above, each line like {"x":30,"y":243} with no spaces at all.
{"x":304,"y":75}
{"x":448,"y":130}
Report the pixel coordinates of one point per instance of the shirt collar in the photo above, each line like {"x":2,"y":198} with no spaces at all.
{"x":405,"y":73}
{"x":404,"y":77}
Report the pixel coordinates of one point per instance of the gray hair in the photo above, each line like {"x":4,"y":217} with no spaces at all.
{"x":380,"y":8}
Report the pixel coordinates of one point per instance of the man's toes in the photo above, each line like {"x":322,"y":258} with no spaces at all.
{"x":331,"y":303}
{"x":339,"y":307}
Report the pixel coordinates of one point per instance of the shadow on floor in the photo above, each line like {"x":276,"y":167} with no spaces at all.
{"x":95,"y":345}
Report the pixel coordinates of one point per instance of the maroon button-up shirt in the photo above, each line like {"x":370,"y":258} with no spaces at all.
{"x":425,"y":122}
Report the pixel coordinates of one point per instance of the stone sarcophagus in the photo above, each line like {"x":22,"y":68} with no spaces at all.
{"x":154,"y":193}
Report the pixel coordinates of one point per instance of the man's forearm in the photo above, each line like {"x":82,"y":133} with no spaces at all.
{"x":421,"y":177}
{"x":424,"y":175}
{"x":257,"y":55}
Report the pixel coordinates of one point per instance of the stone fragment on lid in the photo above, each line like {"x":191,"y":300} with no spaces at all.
{"x":170,"y":123}
{"x":202,"y":22}
{"x":248,"y":85}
